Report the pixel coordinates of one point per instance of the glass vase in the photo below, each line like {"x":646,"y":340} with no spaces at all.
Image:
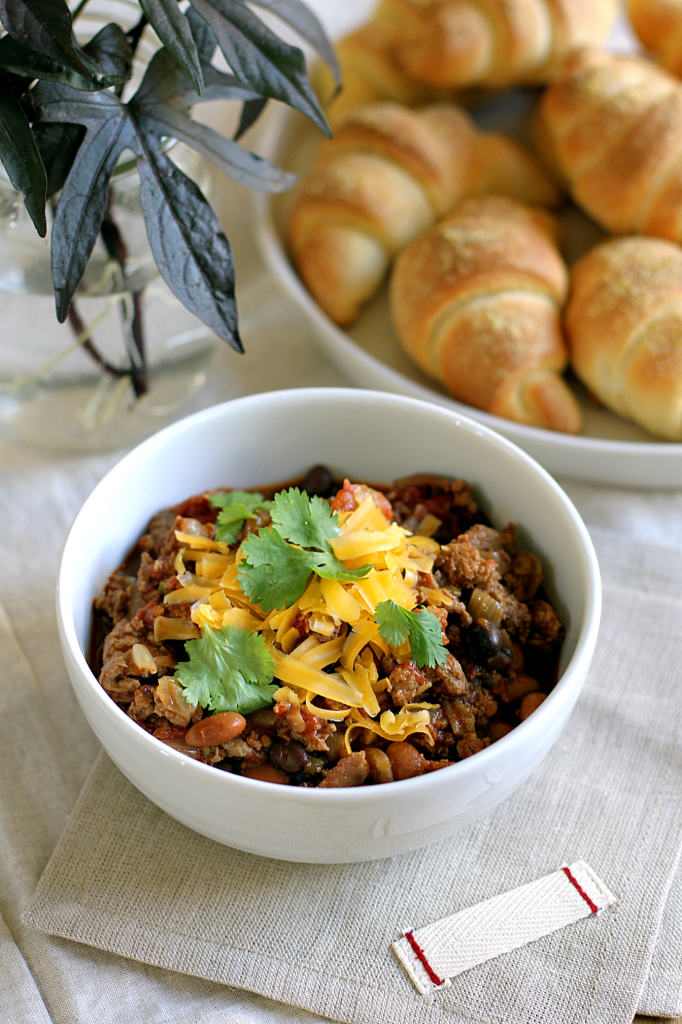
{"x":83,"y":385}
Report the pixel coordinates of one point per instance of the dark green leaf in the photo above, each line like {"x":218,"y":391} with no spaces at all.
{"x":259,"y":58}
{"x":173,"y":29}
{"x":55,"y":102}
{"x":45,"y":26}
{"x":58,"y":145}
{"x":20,"y":156}
{"x":189,"y":246}
{"x":219,"y":86}
{"x":304,"y":21}
{"x":251,"y":111}
{"x":84,"y":198}
{"x":110,"y":56}
{"x":248,"y":169}
{"x":165,"y":82}
{"x":204,"y":36}
{"x":108,"y":51}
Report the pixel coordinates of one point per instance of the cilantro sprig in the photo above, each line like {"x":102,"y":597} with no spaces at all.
{"x":422,"y":629}
{"x":278,"y":561}
{"x":230,"y":669}
{"x":236,"y":507}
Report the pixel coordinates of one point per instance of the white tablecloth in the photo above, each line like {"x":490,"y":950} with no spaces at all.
{"x":43,"y":979}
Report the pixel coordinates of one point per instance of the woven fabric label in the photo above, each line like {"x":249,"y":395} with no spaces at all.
{"x":442,"y":950}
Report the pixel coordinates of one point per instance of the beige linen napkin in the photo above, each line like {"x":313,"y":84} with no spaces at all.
{"x":127,"y":878}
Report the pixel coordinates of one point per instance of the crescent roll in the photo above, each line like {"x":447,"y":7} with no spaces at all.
{"x":491,"y":43}
{"x":476,"y":304}
{"x":624,"y":327}
{"x":614,"y":126}
{"x":658,"y":23}
{"x":388,"y":174}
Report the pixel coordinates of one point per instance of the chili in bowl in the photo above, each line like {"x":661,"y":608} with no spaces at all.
{"x":407,"y":636}
{"x":418,"y":626}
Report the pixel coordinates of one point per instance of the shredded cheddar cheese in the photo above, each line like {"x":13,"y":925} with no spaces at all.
{"x":331,"y":625}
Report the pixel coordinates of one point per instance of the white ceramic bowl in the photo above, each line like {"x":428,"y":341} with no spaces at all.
{"x":367,"y":436}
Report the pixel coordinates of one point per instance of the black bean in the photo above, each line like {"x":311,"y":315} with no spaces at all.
{"x":318,"y":481}
{"x":264,"y":719}
{"x":289,"y":756}
{"x":489,"y":646}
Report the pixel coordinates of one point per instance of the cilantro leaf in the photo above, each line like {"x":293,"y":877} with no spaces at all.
{"x":303,"y":520}
{"x":230,"y":669}
{"x":273,"y":573}
{"x":422,"y":629}
{"x":330,"y":568}
{"x":252,"y":499}
{"x":237,"y":506}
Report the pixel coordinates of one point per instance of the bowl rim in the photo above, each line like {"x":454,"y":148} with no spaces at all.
{"x":365,"y":795}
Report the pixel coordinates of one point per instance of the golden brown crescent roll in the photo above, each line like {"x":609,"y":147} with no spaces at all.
{"x":490,"y":43}
{"x":615,"y":128}
{"x":658,"y":23}
{"x":476,"y":304}
{"x":624,"y":326}
{"x":387,"y":175}
{"x":370,"y":74}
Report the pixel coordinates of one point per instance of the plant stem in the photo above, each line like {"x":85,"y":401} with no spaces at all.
{"x":79,"y":327}
{"x":137,"y":327}
{"x":135,"y":32}
{"x":133,"y":327}
{"x":78,"y":10}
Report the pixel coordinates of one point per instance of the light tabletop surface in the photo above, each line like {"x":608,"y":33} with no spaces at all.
{"x":40,"y":493}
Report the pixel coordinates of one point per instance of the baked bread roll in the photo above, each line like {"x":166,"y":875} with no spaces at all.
{"x":614,"y":125}
{"x":490,"y":43}
{"x":476,"y":304}
{"x":624,"y":327}
{"x":370,"y":74}
{"x":387,"y":175}
{"x":658,"y":23}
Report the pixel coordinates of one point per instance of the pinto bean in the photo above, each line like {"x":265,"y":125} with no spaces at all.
{"x":266,"y":773}
{"x":216,"y":729}
{"x":530,"y":703}
{"x":379,"y":765}
{"x":406,"y":761}
{"x":177,"y":743}
{"x":498,"y":730}
{"x":520,"y":684}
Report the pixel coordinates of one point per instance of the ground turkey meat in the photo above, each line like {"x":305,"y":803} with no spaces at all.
{"x":461,"y":565}
{"x":114,"y":601}
{"x":448,"y":677}
{"x":524,"y":576}
{"x":546,"y":626}
{"x":350,"y":771}
{"x":406,"y":682}
{"x":495,"y":654}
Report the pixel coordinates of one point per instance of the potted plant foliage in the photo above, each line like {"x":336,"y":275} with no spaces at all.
{"x":68,"y":113}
